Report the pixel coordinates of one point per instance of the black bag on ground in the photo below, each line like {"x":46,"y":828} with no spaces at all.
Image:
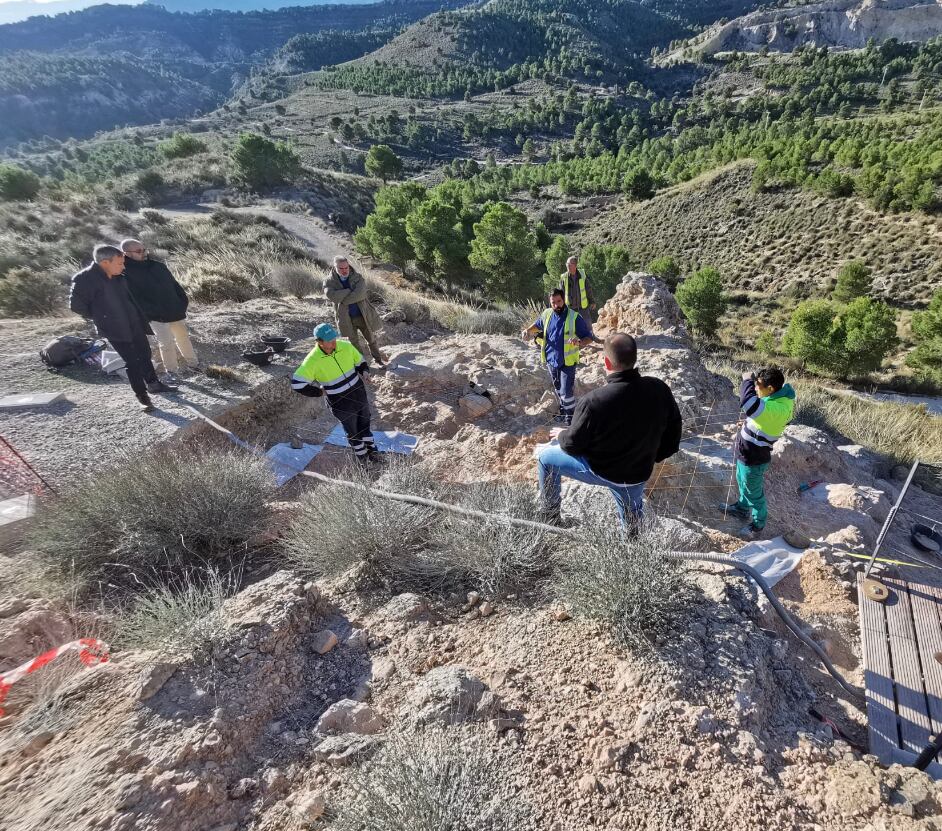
{"x":64,"y":351}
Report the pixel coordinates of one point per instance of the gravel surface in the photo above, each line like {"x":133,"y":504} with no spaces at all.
{"x":57,"y":440}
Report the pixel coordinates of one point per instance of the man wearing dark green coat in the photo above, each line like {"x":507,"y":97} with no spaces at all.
{"x":346,"y":289}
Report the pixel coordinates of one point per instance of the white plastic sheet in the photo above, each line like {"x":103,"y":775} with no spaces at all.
{"x":773,"y":558}
{"x":287,"y":461}
{"x":387,"y":441}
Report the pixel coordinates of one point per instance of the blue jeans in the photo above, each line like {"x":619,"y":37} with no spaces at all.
{"x":554,"y":463}
{"x":564,"y":383}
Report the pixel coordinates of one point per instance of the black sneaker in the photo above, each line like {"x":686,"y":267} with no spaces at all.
{"x":160,"y":386}
{"x":376,"y":456}
{"x":147,"y":405}
{"x":733,"y":508}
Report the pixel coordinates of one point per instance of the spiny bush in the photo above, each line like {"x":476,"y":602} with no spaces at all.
{"x":28,"y":293}
{"x":434,"y":779}
{"x":338,"y":528}
{"x":153,"y":514}
{"x":184,"y":615}
{"x":625,"y":582}
{"x":494,"y":557}
{"x":295,"y":280}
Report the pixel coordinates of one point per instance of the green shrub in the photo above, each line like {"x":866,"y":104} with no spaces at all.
{"x":767,"y":344}
{"x":28,"y":293}
{"x":181,"y":146}
{"x":382,"y":162}
{"x":505,"y":252}
{"x":604,"y":266}
{"x":17,"y":183}
{"x":150,"y":182}
{"x":555,"y":261}
{"x":869,"y":334}
{"x":927,"y":332}
{"x":809,"y":335}
{"x":262,"y":163}
{"x":703,"y":301}
{"x":667,"y":269}
{"x":155,"y":516}
{"x":853,"y":281}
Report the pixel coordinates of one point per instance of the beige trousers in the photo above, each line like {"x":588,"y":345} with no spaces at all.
{"x":172,"y":337}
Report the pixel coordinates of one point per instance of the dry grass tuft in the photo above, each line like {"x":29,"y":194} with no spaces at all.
{"x":431,"y":780}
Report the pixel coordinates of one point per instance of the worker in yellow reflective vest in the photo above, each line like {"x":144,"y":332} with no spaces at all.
{"x":336,"y":368}
{"x":577,"y":291}
{"x":561,"y":332}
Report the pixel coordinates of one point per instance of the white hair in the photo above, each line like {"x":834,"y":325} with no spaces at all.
{"x":572,"y":259}
{"x":340,"y":258}
{"x":127,"y":243}
{"x":100,"y":253}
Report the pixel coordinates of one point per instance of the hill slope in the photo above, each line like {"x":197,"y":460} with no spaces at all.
{"x":846,"y":24}
{"x":772,"y":242}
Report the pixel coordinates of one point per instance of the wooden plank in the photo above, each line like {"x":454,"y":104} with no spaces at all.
{"x":911,"y":703}
{"x":882,"y":722}
{"x":925,"y":601}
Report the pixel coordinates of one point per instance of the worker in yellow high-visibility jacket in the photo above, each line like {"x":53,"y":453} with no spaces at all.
{"x":336,"y":368}
{"x":577,"y":292}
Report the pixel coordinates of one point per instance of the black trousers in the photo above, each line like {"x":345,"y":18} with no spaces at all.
{"x":136,"y":356}
{"x":352,"y":409}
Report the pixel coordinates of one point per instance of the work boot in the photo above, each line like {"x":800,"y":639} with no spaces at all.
{"x":147,"y":405}
{"x":750,"y":532}
{"x":733,"y":508}
{"x":160,"y":386}
{"x":376,"y":456}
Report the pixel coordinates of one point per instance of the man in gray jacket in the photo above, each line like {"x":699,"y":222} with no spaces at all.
{"x":346,"y":289}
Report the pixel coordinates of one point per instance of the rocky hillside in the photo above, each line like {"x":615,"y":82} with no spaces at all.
{"x":315,"y":701}
{"x":792,"y":241}
{"x":844,"y":24}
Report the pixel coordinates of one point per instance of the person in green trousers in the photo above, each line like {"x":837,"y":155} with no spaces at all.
{"x":768,"y":404}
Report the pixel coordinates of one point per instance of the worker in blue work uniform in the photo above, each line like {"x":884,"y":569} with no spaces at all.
{"x":561,"y":332}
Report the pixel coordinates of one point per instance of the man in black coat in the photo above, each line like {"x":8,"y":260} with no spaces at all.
{"x":618,"y":433}
{"x":100,"y":294}
{"x":163,"y":302}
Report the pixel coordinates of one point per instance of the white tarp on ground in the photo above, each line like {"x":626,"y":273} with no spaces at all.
{"x":287,"y":461}
{"x":773,"y":558}
{"x":113,"y":363}
{"x":387,"y":441}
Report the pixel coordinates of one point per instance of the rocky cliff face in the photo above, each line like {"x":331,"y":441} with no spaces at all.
{"x":847,"y":24}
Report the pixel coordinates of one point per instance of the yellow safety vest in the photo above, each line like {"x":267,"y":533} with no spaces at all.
{"x":582,"y":298}
{"x":570,"y":353}
{"x":336,"y":372}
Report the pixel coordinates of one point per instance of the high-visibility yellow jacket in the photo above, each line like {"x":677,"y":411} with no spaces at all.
{"x":333,"y":374}
{"x":570,"y":353}
{"x":576,"y":289}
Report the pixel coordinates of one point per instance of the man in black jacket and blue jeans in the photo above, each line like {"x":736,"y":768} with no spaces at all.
{"x":100,"y":294}
{"x":617,"y":434}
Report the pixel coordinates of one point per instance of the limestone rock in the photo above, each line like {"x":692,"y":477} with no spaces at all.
{"x":345,"y":749}
{"x":323,"y":642}
{"x":153,"y":678}
{"x":448,"y":695}
{"x":405,"y":607}
{"x":310,"y":806}
{"x":349,"y":716}
{"x":472,"y":406}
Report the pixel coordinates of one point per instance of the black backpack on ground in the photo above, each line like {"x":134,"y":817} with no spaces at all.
{"x":65,"y":350}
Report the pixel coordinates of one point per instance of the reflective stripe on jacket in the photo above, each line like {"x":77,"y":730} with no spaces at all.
{"x":570,"y":353}
{"x":766,"y":420}
{"x":334,"y":373}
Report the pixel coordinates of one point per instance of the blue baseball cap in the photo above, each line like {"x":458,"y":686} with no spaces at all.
{"x":324,"y":331}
